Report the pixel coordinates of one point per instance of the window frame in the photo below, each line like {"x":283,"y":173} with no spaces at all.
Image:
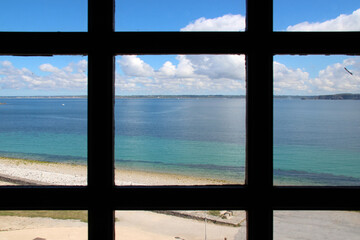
{"x":258,"y":196}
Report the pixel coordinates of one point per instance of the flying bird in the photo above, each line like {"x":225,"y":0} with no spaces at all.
{"x":348,"y":71}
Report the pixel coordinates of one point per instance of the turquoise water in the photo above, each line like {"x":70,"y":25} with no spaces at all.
{"x":44,"y":129}
{"x":195,"y":137}
{"x":194,"y":158}
{"x":315,"y":142}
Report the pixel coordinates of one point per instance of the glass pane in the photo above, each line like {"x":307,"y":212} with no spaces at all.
{"x":42,"y":225}
{"x":180,"y":120}
{"x":329,"y":225}
{"x":320,"y":15}
{"x":179,"y":225}
{"x":43,"y":115}
{"x":43,"y":15}
{"x":186,"y":15}
{"x":317,"y":120}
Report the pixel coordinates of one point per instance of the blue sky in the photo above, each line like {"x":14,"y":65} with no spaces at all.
{"x":170,"y":15}
{"x":172,"y":74}
{"x":291,"y":12}
{"x":43,"y":15}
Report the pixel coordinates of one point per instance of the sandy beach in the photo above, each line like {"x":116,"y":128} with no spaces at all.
{"x":144,"y":225}
{"x":18,"y":228}
{"x":30,"y":172}
{"x":135,"y":225}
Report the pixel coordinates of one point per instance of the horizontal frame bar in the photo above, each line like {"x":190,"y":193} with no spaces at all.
{"x":180,"y":43}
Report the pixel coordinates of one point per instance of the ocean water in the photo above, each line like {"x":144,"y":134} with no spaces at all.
{"x":44,"y":129}
{"x":316,"y":142}
{"x":196,"y":137}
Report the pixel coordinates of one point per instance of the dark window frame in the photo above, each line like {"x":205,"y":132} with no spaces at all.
{"x":258,"y":197}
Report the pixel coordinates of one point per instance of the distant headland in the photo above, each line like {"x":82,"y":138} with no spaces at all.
{"x":341,"y":96}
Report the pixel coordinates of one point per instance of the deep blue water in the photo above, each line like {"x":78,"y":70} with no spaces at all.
{"x":316,"y":142}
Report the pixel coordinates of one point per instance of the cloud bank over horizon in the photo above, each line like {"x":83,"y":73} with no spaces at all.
{"x":71,"y":77}
{"x":192,"y":74}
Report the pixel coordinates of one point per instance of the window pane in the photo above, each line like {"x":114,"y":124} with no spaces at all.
{"x":179,"y":225}
{"x":180,"y":120}
{"x":55,"y":225}
{"x":43,"y":15}
{"x":320,"y":15}
{"x":186,"y":15}
{"x":317,"y":120}
{"x":43,"y":114}
{"x":316,"y":225}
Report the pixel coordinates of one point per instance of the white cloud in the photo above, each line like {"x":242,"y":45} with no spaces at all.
{"x":193,"y":74}
{"x":343,"y":22}
{"x":168,"y":69}
{"x":71,"y":77}
{"x":49,"y":68}
{"x":290,"y":81}
{"x":185,"y":68}
{"x":227,"y":22}
{"x":134,"y":66}
{"x":331,"y":80}
{"x":335,"y":79}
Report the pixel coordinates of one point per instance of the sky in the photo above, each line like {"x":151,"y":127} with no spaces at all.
{"x":179,"y":74}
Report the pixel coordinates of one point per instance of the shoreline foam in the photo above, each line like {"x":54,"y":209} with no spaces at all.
{"x":31,"y":172}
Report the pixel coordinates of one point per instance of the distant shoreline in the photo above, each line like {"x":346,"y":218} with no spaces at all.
{"x":341,"y":96}
{"x":128,"y":97}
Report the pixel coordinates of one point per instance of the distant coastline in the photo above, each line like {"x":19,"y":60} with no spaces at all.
{"x":341,"y":96}
{"x":178,"y":96}
{"x":41,"y":97}
{"x":129,"y":97}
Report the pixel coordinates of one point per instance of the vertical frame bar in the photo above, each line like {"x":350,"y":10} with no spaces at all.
{"x":101,"y":119}
{"x":259,"y":75}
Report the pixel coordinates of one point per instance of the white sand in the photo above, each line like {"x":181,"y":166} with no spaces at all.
{"x":19,"y":228}
{"x":308,"y":225}
{"x":143,"y":225}
{"x":288,"y":225}
{"x":48,"y":173}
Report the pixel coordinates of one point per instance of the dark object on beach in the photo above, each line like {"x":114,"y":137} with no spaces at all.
{"x":39,"y":238}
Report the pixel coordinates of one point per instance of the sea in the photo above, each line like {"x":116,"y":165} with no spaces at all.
{"x":316,"y":142}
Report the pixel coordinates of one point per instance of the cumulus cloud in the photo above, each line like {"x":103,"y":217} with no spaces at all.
{"x":335,"y":79}
{"x":343,"y":22}
{"x":331,"y":80}
{"x":228,"y":22}
{"x":290,"y":81}
{"x":71,"y":77}
{"x":134,"y":66}
{"x":192,"y":74}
